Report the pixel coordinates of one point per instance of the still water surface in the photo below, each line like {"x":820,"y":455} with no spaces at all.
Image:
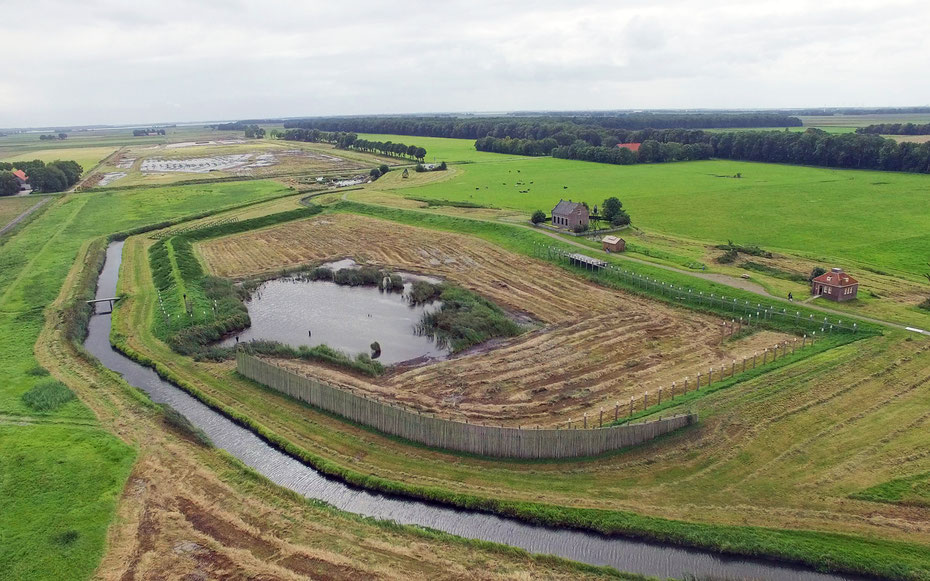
{"x":302,"y":312}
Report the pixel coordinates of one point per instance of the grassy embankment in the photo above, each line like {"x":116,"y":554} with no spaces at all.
{"x":547,"y":491}
{"x":68,"y":540}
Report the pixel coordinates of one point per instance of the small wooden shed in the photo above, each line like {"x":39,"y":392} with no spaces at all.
{"x":614,"y":244}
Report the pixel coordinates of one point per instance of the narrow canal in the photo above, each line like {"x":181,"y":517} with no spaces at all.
{"x":618,"y":552}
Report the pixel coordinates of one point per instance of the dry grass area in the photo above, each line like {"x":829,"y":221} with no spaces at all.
{"x":596,"y":346}
{"x":190,"y":512}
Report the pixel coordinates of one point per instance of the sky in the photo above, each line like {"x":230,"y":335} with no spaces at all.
{"x":142,"y":61}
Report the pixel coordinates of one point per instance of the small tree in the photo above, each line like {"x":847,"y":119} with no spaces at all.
{"x":384,"y":168}
{"x":611,"y":207}
{"x":375,"y":173}
{"x":442,"y":166}
{"x":579,"y":228}
{"x":815,"y":273}
{"x":9,"y":185}
{"x":538,"y":217}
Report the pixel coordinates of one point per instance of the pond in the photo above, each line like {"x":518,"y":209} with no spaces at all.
{"x":348,"y":318}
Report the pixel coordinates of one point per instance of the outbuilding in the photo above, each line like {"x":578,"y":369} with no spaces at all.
{"x":634,"y":147}
{"x":569,"y":215}
{"x":614,"y":244}
{"x":835,"y":285}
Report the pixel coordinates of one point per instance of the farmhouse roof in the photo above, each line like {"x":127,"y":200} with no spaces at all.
{"x":568,"y":207}
{"x":836,"y":277}
{"x":20,"y":174}
{"x":611,"y":239}
{"x":634,"y":147}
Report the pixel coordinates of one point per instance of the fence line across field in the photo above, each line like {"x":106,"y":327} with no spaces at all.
{"x":749,"y":313}
{"x":502,"y":442}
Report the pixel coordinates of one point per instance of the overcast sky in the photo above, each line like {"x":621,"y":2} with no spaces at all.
{"x":141,"y":61}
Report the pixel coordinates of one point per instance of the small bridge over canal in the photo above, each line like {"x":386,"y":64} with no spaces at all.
{"x":111,"y":301}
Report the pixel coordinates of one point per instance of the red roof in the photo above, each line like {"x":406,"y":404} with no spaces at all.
{"x":634,"y":147}
{"x":836,"y":279}
{"x":20,"y":174}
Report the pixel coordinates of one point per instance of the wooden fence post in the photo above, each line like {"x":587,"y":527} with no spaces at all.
{"x":631,"y":406}
{"x":698,"y":382}
{"x":616,"y":411}
{"x":686,"y":384}
{"x":744,"y":365}
{"x":660,"y":396}
{"x":601,"y":425}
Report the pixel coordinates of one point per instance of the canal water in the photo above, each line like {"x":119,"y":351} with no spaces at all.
{"x":347,"y":318}
{"x":618,"y":552}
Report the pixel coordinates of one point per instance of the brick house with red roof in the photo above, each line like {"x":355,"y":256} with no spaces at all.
{"x":21,"y":177}
{"x":835,"y":285}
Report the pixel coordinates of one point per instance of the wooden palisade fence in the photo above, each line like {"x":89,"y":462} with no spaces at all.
{"x":502,"y":442}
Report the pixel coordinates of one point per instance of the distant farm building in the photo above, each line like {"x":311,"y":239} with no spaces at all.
{"x":835,"y":285}
{"x":21,"y":177}
{"x":614,"y":244}
{"x":634,"y":147}
{"x":569,"y":214}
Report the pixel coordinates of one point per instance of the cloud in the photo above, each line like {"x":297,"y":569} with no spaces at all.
{"x":109,"y":61}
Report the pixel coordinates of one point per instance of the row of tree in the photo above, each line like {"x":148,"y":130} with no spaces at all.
{"x":650,"y":150}
{"x":350,"y":140}
{"x":150,"y":131}
{"x":52,"y":136}
{"x":816,"y":147}
{"x":541,"y":126}
{"x":896,"y":129}
{"x":55,"y":176}
{"x":811,"y":147}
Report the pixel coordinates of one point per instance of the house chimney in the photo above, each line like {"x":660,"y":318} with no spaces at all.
{"x":836,"y":270}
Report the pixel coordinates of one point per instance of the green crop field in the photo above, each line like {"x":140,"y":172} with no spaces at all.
{"x":33,"y":265}
{"x":442,"y":149}
{"x":12,"y":207}
{"x":87,"y":157}
{"x":879,"y":218}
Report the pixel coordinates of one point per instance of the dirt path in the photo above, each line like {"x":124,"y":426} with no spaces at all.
{"x":24,"y":215}
{"x":730,"y":281}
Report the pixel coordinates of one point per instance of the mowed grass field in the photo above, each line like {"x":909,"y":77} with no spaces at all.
{"x":876,"y":218}
{"x":84,"y":472}
{"x":87,"y":157}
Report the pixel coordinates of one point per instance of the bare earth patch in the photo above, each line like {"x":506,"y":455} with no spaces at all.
{"x":596,"y":346}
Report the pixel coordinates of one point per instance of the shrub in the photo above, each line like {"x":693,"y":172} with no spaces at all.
{"x":37,"y":371}
{"x":817,"y":271}
{"x":729,"y":256}
{"x":321,"y":353}
{"x":375,"y":173}
{"x":47,"y":396}
{"x":180,"y":424}
{"x":538,"y":217}
{"x":383,"y":168}
{"x":466,"y":319}
{"x":579,"y":228}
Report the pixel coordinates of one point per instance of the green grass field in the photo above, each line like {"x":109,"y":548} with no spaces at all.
{"x":877,"y":218}
{"x":83,"y":467}
{"x":59,"y":485}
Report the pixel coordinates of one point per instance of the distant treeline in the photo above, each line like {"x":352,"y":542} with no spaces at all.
{"x":812,"y":147}
{"x":896,"y":129}
{"x":350,"y":140}
{"x":539,"y":127}
{"x":149,"y":131}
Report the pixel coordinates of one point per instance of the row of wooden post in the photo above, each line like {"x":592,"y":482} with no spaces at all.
{"x":734,"y":368}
